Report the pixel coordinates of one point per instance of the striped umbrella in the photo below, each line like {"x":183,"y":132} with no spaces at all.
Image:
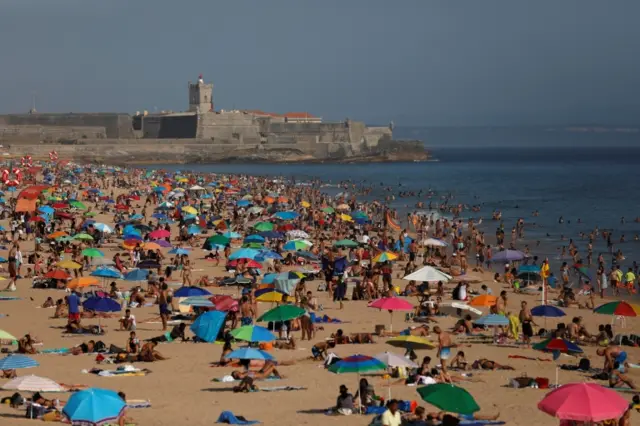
{"x":357,"y":364}
{"x":198,"y":301}
{"x":385,"y":256}
{"x":33,"y":384}
{"x":15,"y":362}
{"x":253,"y":333}
{"x":618,"y":308}
{"x":493,"y":320}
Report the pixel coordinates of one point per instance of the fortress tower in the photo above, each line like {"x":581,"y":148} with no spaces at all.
{"x":200,"y":96}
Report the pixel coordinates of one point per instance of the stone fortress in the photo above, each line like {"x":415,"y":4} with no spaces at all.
{"x":200,"y":134}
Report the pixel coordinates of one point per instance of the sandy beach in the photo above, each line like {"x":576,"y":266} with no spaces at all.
{"x":181,"y":390}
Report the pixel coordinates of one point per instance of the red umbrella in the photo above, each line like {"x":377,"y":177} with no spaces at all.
{"x":159,"y":233}
{"x":36,"y":219}
{"x":64,"y":215}
{"x":57,"y":274}
{"x":286,"y":227}
{"x":121,"y":207}
{"x":224,"y":303}
{"x":134,"y":197}
{"x":60,"y":205}
{"x":249,"y":264}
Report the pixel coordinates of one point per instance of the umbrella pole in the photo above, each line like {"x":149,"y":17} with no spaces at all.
{"x":391,"y":324}
{"x":557,"y":372}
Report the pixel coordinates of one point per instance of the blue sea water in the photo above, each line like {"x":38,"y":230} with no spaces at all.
{"x":598,"y":185}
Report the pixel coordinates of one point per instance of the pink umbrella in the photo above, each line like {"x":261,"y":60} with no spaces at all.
{"x":224,"y":303}
{"x":584,"y":402}
{"x":159,"y":233}
{"x":391,"y":304}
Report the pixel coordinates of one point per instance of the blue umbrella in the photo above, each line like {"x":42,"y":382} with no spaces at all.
{"x":159,"y":216}
{"x":245,"y":253}
{"x":547,"y":311}
{"x":94,"y":406}
{"x":207,"y":326}
{"x":253,"y":333}
{"x":107,"y":273}
{"x":267,"y":254}
{"x":249,"y":353}
{"x":179,"y":251}
{"x":46,"y":209}
{"x":194,"y":230}
{"x":273,"y":235}
{"x":136,"y":216}
{"x":190,"y":291}
{"x":243,"y":203}
{"x":286,"y":215}
{"x":15,"y":362}
{"x":101,"y":304}
{"x":159,"y":189}
{"x":136,"y":275}
{"x":232,"y":235}
{"x":136,"y":237}
{"x":492,"y":320}
{"x":254,"y":239}
{"x":506,"y":256}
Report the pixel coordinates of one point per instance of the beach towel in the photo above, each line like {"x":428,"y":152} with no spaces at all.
{"x":55,"y":351}
{"x":230,"y":379}
{"x":324,"y":319}
{"x":138,"y":403}
{"x":9,"y":298}
{"x":229,"y":418}
{"x":529,"y":358}
{"x":282,"y":388}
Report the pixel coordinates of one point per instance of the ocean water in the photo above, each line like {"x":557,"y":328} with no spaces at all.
{"x":595,"y":186}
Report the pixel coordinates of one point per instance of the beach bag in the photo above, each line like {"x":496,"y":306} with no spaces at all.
{"x":584,"y":364}
{"x":266,"y":346}
{"x":520,"y":382}
{"x":543,"y":382}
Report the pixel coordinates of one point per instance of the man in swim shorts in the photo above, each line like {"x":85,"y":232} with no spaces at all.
{"x":444,"y":347}
{"x":612,"y":354}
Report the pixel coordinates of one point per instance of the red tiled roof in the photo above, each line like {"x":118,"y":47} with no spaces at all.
{"x":298,"y":115}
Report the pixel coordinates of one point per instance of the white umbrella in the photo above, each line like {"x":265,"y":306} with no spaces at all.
{"x":428,"y":274}
{"x":255,"y":210}
{"x":434,"y":242}
{"x":297,"y":233}
{"x":394,"y":360}
{"x":459,"y":310}
{"x":196,"y":188}
{"x":33,"y":384}
{"x":101,"y":261}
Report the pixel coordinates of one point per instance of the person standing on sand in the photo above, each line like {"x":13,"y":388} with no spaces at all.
{"x":444,"y":348}
{"x":163,"y":304}
{"x":13,"y":272}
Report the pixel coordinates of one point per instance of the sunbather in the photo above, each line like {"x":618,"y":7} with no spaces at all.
{"x":245,"y":385}
{"x":268,"y":370}
{"x":25,"y":345}
{"x":148,"y":353}
{"x":487,"y":364}
{"x":459,"y":362}
{"x":340,"y":338}
{"x":285,"y":344}
{"x":618,"y":378}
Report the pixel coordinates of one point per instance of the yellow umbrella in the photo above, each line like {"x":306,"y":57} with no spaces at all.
{"x":189,"y":210}
{"x":346,"y":218}
{"x":82,"y":282}
{"x":270,"y":296}
{"x":411,"y":342}
{"x":68,"y":264}
{"x":385,"y":256}
{"x":305,"y":204}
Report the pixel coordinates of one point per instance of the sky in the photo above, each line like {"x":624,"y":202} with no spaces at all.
{"x":416,"y":62}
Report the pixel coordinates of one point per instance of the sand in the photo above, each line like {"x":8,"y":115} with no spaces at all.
{"x":182,"y":392}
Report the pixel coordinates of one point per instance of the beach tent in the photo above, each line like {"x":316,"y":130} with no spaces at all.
{"x":208,"y":325}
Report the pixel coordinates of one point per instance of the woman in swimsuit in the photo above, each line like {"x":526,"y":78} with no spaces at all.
{"x":486,"y":364}
{"x":268,"y":370}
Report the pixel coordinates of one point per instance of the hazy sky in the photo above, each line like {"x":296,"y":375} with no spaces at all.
{"x":418,"y":62}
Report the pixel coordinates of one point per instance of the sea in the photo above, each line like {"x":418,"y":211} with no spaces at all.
{"x":589,"y":177}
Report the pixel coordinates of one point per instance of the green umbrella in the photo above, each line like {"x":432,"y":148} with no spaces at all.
{"x":253,"y":245}
{"x":64,"y":239}
{"x":92,"y":252}
{"x":218,"y":239}
{"x":263,"y":226}
{"x":83,"y":236}
{"x":253,"y":333}
{"x":328,"y":210}
{"x":345,"y":243}
{"x":282,"y":313}
{"x":78,"y":205}
{"x":89,"y":214}
{"x":449,"y":398}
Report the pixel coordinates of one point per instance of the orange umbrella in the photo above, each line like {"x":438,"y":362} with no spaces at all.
{"x":484,"y":300}
{"x":269,"y":200}
{"x":83,"y":282}
{"x":152,"y":246}
{"x":57,"y":234}
{"x":57,"y":274}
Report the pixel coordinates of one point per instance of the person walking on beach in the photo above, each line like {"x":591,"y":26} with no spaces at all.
{"x":13,"y":272}
{"x":444,"y":348}
{"x":163,"y":304}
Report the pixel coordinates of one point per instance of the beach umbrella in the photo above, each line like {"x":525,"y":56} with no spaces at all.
{"x":460,"y":310}
{"x":282,"y":313}
{"x":483,"y":300}
{"x":83,"y":237}
{"x":244,"y":253}
{"x":248,"y":264}
{"x":82,"y":282}
{"x":136,"y":275}
{"x":619,"y":308}
{"x":584,"y":402}
{"x":391,"y":304}
{"x":434,"y":242}
{"x":345,"y":243}
{"x":107,"y":273}
{"x":256,"y":246}
{"x":94,"y":406}
{"x":253,"y":239}
{"x":152,"y":246}
{"x":391,"y":359}
{"x":582,"y":271}
{"x":286,"y":284}
{"x":264,"y":226}
{"x":269,"y":295}
{"x":7,"y":336}
{"x":507,"y":256}
{"x":549,"y":311}
{"x":16,"y":362}
{"x":449,"y":398}
{"x":428,"y":274}
{"x":159,"y":233}
{"x":78,"y":205}
{"x":328,"y":210}
{"x":385,"y":256}
{"x":224,"y":303}
{"x":253,"y":333}
{"x":92,"y":252}
{"x":219,"y":240}
{"x":207,"y":326}
{"x":411,"y":343}
{"x":357,"y":364}
{"x":493,"y":320}
{"x":190,"y":291}
{"x":68,"y":264}
{"x":179,"y":251}
{"x":33,"y":383}
{"x":295,"y":245}
{"x":288,"y":215}
{"x":298,"y":234}
{"x":103,"y":228}
{"x":189,"y":210}
{"x":101,"y":304}
{"x":57,"y":274}
{"x":557,"y":345}
{"x":249,"y":353}
{"x":197,"y":301}
{"x":194,"y":230}
{"x":273,"y":235}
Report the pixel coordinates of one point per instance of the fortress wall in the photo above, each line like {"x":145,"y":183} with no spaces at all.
{"x":36,"y":133}
{"x":229,"y":128}
{"x":115,"y":125}
{"x":374,"y":135}
{"x":169,"y":126}
{"x":310,"y":132}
